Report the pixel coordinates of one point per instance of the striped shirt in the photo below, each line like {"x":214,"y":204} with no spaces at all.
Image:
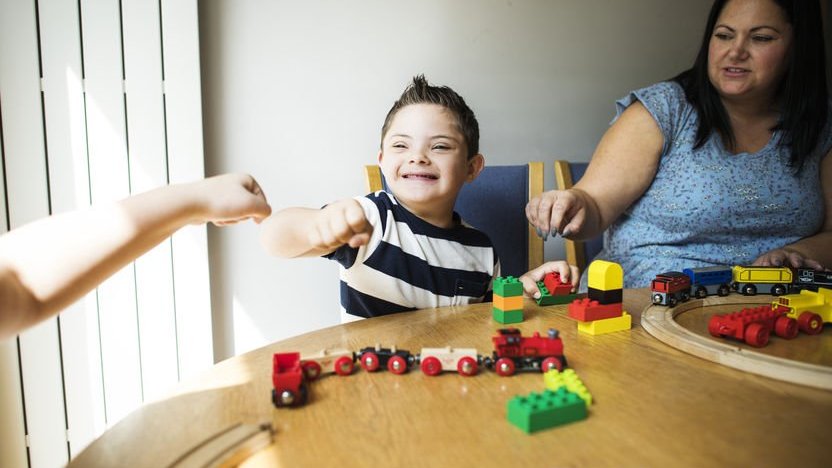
{"x":411,"y":264}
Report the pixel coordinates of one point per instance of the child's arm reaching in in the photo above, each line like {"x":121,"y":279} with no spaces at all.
{"x":567,"y":273}
{"x":309,"y":232}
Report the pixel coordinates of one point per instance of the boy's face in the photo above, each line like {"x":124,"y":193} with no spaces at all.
{"x":424,"y":159}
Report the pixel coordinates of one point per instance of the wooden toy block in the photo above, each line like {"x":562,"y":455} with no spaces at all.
{"x":605,"y":275}
{"x":508,"y":303}
{"x":600,"y":327}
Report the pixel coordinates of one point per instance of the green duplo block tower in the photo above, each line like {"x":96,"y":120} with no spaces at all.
{"x":546,"y":410}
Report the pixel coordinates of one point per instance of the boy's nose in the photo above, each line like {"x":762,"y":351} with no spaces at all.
{"x":419,"y":156}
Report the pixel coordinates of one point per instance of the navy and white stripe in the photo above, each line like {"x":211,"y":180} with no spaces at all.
{"x":411,"y":264}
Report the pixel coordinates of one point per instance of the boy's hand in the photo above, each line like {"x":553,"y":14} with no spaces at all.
{"x":340,"y":223}
{"x":567,"y":272}
{"x":557,"y":212}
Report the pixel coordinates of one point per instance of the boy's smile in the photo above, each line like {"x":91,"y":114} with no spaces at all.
{"x":424,"y":159}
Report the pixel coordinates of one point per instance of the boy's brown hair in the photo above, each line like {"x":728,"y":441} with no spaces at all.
{"x":420,"y":92}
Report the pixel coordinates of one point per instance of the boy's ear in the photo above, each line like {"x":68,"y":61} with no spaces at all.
{"x":475,"y":166}
{"x":380,"y":155}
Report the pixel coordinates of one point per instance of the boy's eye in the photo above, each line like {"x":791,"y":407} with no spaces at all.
{"x":399,"y":145}
{"x":441,"y":147}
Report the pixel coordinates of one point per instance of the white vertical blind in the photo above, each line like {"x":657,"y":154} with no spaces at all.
{"x":100,"y":99}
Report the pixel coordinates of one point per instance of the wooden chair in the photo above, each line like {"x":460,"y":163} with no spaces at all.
{"x":495,"y":203}
{"x":578,"y":253}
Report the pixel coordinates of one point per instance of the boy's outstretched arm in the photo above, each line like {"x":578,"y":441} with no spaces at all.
{"x":308,"y":232}
{"x":567,"y":273}
{"x":50,"y":263}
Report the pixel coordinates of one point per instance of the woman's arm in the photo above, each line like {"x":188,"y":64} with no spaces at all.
{"x":813,"y":251}
{"x":622,"y":168}
{"x":50,"y":263}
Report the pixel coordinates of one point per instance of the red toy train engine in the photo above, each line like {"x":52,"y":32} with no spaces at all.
{"x":513,"y":352}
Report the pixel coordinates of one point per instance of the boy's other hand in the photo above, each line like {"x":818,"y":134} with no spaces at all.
{"x":567,"y":273}
{"x":340,"y":223}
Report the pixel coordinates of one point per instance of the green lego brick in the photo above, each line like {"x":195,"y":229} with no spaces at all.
{"x":547,"y":299}
{"x":554,"y":380}
{"x":507,"y":316}
{"x":544,"y":410}
{"x":508,"y":286}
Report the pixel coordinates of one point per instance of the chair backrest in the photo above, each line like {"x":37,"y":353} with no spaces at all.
{"x":578,"y":253}
{"x":495,"y":204}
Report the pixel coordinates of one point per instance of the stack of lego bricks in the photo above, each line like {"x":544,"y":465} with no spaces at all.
{"x":508,"y":300}
{"x":602,"y":310}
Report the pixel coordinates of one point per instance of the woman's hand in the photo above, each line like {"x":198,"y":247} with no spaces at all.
{"x":786,"y":257}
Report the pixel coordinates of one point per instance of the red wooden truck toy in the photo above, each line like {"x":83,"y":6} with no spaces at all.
{"x":290,"y":386}
{"x":753,"y":325}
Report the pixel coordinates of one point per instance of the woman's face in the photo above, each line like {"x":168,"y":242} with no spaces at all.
{"x":749,"y":50}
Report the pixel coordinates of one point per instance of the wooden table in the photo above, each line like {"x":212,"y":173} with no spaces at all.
{"x":653,"y":405}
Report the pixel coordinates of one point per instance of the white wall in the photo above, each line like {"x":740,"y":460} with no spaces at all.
{"x":295,"y":93}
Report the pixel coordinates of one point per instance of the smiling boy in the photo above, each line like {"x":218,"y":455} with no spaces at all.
{"x":403,"y":249}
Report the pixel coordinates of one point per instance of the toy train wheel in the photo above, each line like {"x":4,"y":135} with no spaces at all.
{"x":311,"y":369}
{"x":713,"y":326}
{"x":778,"y":290}
{"x":369,"y":361}
{"x":701,"y":292}
{"x":671,"y":301}
{"x":756,"y":334}
{"x":685,"y":296}
{"x":551,"y":363}
{"x":397,"y":365}
{"x":467,"y":366}
{"x":810,"y":323}
{"x":723,"y":290}
{"x":303,"y":394}
{"x":431,"y":366}
{"x":785,"y":327}
{"x":749,"y":290}
{"x":344,"y":365}
{"x":504,"y":367}
{"x":285,"y":398}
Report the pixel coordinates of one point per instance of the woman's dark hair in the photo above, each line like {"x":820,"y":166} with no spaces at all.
{"x":803,"y":92}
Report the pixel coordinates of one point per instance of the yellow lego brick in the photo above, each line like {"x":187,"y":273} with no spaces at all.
{"x":508,"y":303}
{"x":605,"y":275}
{"x":554,"y":380}
{"x":599,"y":327}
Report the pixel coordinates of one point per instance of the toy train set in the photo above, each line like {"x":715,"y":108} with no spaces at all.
{"x":512,"y":353}
{"x":670,"y":288}
{"x":804,"y":300}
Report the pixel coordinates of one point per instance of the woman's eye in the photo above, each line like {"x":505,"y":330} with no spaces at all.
{"x":722,"y":36}
{"x":762,"y":38}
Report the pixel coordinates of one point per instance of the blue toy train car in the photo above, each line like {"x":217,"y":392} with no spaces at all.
{"x":707,"y":281}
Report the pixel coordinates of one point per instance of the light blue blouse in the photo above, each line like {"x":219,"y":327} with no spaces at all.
{"x":709,"y":207}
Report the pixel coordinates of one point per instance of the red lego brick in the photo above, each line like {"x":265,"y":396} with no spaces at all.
{"x":588,"y":310}
{"x":555,"y":285}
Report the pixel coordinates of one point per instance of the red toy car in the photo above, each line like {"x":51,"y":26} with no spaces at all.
{"x":754,"y":325}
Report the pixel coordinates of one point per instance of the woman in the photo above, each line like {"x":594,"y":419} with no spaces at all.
{"x":725,"y":164}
